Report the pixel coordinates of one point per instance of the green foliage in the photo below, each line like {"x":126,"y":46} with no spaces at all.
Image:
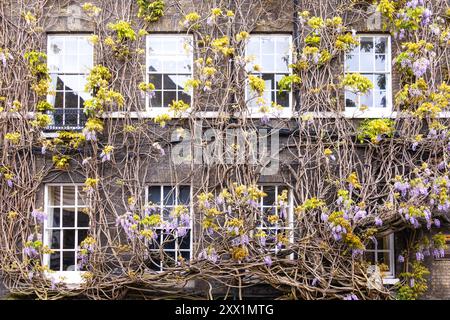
{"x":287,"y":82}
{"x":256,"y":84}
{"x":414,"y":284}
{"x":123,"y":30}
{"x":150,"y":11}
{"x":69,"y":139}
{"x":357,"y":83}
{"x":374,"y":129}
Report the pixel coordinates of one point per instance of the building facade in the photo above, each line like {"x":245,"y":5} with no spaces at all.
{"x":237,"y":149}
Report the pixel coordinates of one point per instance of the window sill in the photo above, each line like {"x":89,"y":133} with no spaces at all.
{"x":72,"y":279}
{"x":390,"y":281}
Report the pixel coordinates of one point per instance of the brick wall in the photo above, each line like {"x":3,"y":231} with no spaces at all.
{"x":439,"y":283}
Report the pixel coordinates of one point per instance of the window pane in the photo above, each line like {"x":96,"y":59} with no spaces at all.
{"x":154,"y":194}
{"x":170,"y":81}
{"x":366,"y":45}
{"x":69,"y":261}
{"x":54,"y":239}
{"x":185,"y":242}
{"x":367,"y":99}
{"x":282,"y":63}
{"x":154,"y":45}
{"x":269,"y":81}
{"x":53,"y":217}
{"x":380,"y":82}
{"x":169,"y":195}
{"x":380,"y":62}
{"x":82,"y":234}
{"x":270,"y":198}
{"x":156,"y":79}
{"x":69,"y":239}
{"x":352,"y":63}
{"x":168,"y":97}
{"x":253,"y":46}
{"x":350,"y":99}
{"x":156,"y":100}
{"x":169,"y":64}
{"x":367,"y":63}
{"x":54,"y":195}
{"x":168,"y":242}
{"x":69,"y":195}
{"x":83,"y":219}
{"x":380,"y":45}
{"x":55,"y":261}
{"x":69,"y":217}
{"x":184,"y":195}
{"x":380,"y":99}
{"x":268,"y":63}
{"x":267,"y":45}
{"x":154,"y":64}
{"x":282,"y":45}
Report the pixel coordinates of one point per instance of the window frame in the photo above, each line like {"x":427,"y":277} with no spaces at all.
{"x":80,"y":107}
{"x":71,"y":277}
{"x":373,"y":112}
{"x":391,"y":273}
{"x":290,"y":213}
{"x":161,"y":207}
{"x":286,"y":112}
{"x":152,"y":111}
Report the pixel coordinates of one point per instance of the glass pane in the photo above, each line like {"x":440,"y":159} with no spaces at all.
{"x":154,"y":64}
{"x":184,"y":195}
{"x":366,"y":45}
{"x":156,"y":100}
{"x":380,"y":82}
{"x":169,"y":64}
{"x":282,"y":63}
{"x":55,"y":261}
{"x":253,"y":46}
{"x":184,"y":65}
{"x":186,"y":255}
{"x":268,"y":63}
{"x":181,"y":81}
{"x":168,"y":97}
{"x":85,"y":63}
{"x":185,"y":242}
{"x":71,"y":101}
{"x":367,"y":63}
{"x":69,"y":217}
{"x":69,"y":239}
{"x":55,"y":53}
{"x":154,"y":45}
{"x":282,"y":45}
{"x":54,"y":217}
{"x":82,"y":197}
{"x":380,"y":99}
{"x":168,"y":242}
{"x":169,"y":195}
{"x":83,"y":219}
{"x":350,"y":100}
{"x":270,"y":198}
{"x":170,"y":45}
{"x":380,"y":45}
{"x":156,"y":79}
{"x":55,"y":239}
{"x":170,"y":81}
{"x":267,"y":45}
{"x":154,"y":194}
{"x":380,"y":62}
{"x":69,"y":261}
{"x":352,"y":63}
{"x":82,"y":234}
{"x":367,"y":99}
{"x":184,"y":96}
{"x":71,"y":63}
{"x":69,"y":195}
{"x":269,"y":81}
{"x":54,"y":195}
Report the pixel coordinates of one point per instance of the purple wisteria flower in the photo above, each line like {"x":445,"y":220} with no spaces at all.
{"x":314,"y":282}
{"x":357,"y":253}
{"x":419,"y":256}
{"x":378,"y":222}
{"x":438,"y":253}
{"x":420,"y":67}
{"x":401,"y":258}
{"x":105,"y":156}
{"x":437,"y":223}
{"x":426,"y":17}
{"x":351,"y":297}
{"x":265,"y":119}
{"x":360,"y":214}
{"x":40,"y":216}
{"x":31,"y":252}
{"x":10,"y":183}
{"x":268,"y":261}
{"x":402,"y":187}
